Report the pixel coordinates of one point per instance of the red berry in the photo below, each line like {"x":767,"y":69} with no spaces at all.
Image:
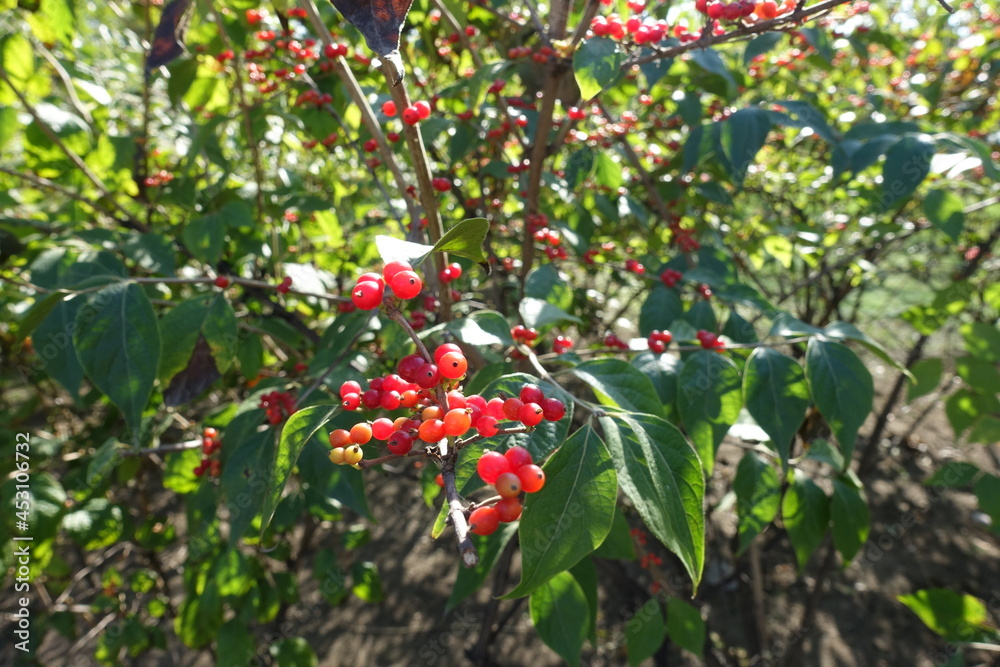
{"x":512,"y":408}
{"x":390,"y":400}
{"x":531,"y":393}
{"x":351,"y":401}
{"x":400,"y":443}
{"x":406,"y":284}
{"x":518,"y":456}
{"x":532,"y":478}
{"x":349,"y":387}
{"x":444,"y":349}
{"x":508,"y":485}
{"x":484,"y":521}
{"x":487,"y":426}
{"x":389,"y":108}
{"x":411,"y":116}
{"x":491,"y":465}
{"x":428,"y":376}
{"x":553,"y":409}
{"x":371,"y":399}
{"x":530,"y":414}
{"x":382,"y":428}
{"x":423,"y":108}
{"x":508,"y":509}
{"x":439,"y":480}
{"x":394,"y":267}
{"x":409,"y":366}
{"x":367,"y":295}
{"x":210,"y":432}
{"x":453,"y":365}
{"x":494,"y":408}
{"x":222,"y":282}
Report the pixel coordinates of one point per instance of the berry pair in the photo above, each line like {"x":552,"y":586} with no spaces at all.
{"x":210,"y":444}
{"x":658,"y":341}
{"x":709,"y":340}
{"x":398,"y":275}
{"x":510,"y":473}
{"x":349,"y":455}
{"x":417,"y":112}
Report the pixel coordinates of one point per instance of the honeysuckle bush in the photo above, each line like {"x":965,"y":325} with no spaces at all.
{"x":680,"y":230}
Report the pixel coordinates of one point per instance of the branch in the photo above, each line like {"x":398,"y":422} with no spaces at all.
{"x":782,"y":23}
{"x":948,"y":8}
{"x":456,"y":512}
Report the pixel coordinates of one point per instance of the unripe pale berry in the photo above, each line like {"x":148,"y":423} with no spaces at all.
{"x":508,"y":485}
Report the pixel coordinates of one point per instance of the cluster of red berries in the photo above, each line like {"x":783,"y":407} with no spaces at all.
{"x":449,"y":273}
{"x":441,"y":184}
{"x":398,"y":275}
{"x":279,"y":404}
{"x":709,"y":340}
{"x":210,"y":444}
{"x":642,"y":31}
{"x":158,"y":179}
{"x":284,"y":286}
{"x":522,"y":334}
{"x":417,"y":112}
{"x":613,"y":341}
{"x":635,"y":266}
{"x":510,"y":474}
{"x":658,"y":341}
{"x":541,"y":56}
{"x":743,"y":9}
{"x":553,"y":243}
{"x":671,"y":277}
{"x":562,"y":344}
{"x":412,"y":387}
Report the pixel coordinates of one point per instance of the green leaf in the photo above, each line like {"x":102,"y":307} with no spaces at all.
{"x":824,"y":452}
{"x":662,"y":370}
{"x":906,"y":165}
{"x":585,"y":573}
{"x":954,"y":475}
{"x":709,"y":399}
{"x":367,"y":584}
{"x":293,"y":652}
{"x":391,"y":249}
{"x":954,"y":616}
{"x":465,"y":239}
{"x":987,"y":491}
{"x":661,"y":307}
{"x":236,"y":644}
{"x":984,"y":378}
{"x":685,"y":626}
{"x":645,"y":632}
{"x":844,"y":331}
{"x":298,"y":430}
{"x":609,"y":172}
{"x":597,"y":64}
{"x":211,"y":317}
{"x":744,"y":134}
{"x":758,"y":496}
{"x":842,"y":388}
{"x":927,"y":376}
{"x":483,"y":327}
{"x":117,"y":342}
{"x":618,"y":544}
{"x":39,"y":312}
{"x":661,"y":474}
{"x":537,"y":313}
{"x":805,"y":510}
{"x":963,"y":408}
{"x":777,"y":396}
{"x":850,"y":518}
{"x":572,"y":515}
{"x":944,"y":210}
{"x":558,"y":611}
{"x":95,"y":525}
{"x":205,"y":236}
{"x":760,"y":45}
{"x":242,"y":478}
{"x":985,"y":430}
{"x":469,"y":579}
{"x":619,"y":384}
{"x":982,"y":340}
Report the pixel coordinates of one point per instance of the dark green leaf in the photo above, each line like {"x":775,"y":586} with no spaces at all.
{"x":906,"y":165}
{"x":709,"y":399}
{"x":465,"y":239}
{"x":944,"y":210}
{"x":572,"y":515}
{"x":745,"y":133}
{"x":645,"y":632}
{"x":559,"y":613}
{"x":777,"y":396}
{"x":619,"y":384}
{"x":618,"y":544}
{"x":758,"y":496}
{"x":367,"y":584}
{"x":298,"y":430}
{"x":293,"y":652}
{"x":805,"y":510}
{"x":760,"y":45}
{"x":927,"y":373}
{"x":954,"y":475}
{"x":661,"y":307}
{"x":685,"y":626}
{"x":117,"y":341}
{"x":842,"y":388}
{"x":661,"y":474}
{"x":849,"y":517}
{"x":597,"y":64}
